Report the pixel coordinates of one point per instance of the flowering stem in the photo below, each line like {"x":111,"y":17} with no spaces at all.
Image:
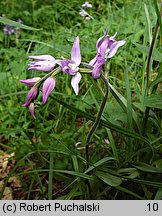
{"x":98,"y":119}
{"x":87,"y":65}
{"x":53,"y":73}
{"x":146,"y":115}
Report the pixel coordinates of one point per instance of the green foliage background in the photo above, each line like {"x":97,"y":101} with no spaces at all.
{"x":125,"y":154}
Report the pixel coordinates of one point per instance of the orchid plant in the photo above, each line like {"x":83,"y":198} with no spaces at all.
{"x":106,"y":48}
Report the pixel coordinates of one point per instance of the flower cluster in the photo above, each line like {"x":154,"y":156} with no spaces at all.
{"x":106,"y":48}
{"x":83,"y":13}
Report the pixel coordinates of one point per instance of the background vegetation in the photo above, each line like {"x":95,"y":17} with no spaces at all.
{"x":45,"y":158}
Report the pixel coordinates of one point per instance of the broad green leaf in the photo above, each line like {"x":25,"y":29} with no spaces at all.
{"x":108,"y":178}
{"x":147,"y":168}
{"x":78,"y":174}
{"x":154,"y":101}
{"x":98,"y":163}
{"x":16,"y":24}
{"x":129,"y":172}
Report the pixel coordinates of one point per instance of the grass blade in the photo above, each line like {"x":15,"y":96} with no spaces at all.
{"x":16,"y":24}
{"x":50,"y":178}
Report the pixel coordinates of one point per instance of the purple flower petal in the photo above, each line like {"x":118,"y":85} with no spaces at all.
{"x":41,"y":68}
{"x":113,"y":37}
{"x":93,"y":61}
{"x":30,"y":82}
{"x":75,"y":82}
{"x":75,"y":52}
{"x":31,"y":96}
{"x":103,"y":47}
{"x":59,"y":62}
{"x":106,"y":47}
{"x":31,"y":109}
{"x":42,"y":63}
{"x":100,"y":60}
{"x":83,"y":13}
{"x":96,"y":73}
{"x":68,"y":66}
{"x":87,"y":4}
{"x":48,"y":86}
{"x":100,"y":39}
{"x":43,"y":57}
{"x":114,"y":47}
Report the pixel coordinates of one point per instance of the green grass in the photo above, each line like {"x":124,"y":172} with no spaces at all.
{"x":125,"y":150}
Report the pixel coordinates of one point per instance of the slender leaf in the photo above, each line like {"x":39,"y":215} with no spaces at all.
{"x":16,"y":24}
{"x":147,"y":168}
{"x":78,"y":174}
{"x":158,"y":195}
{"x":158,"y":14}
{"x":129,"y":192}
{"x":112,"y":143}
{"x":108,"y":178}
{"x":129,"y":109}
{"x":129,"y":172}
{"x":50,"y":182}
{"x":107,"y":124}
{"x":154,"y":101}
{"x":155,"y":82}
{"x":98,"y":163}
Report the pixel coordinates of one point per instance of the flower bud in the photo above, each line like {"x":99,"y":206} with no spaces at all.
{"x":31,"y":96}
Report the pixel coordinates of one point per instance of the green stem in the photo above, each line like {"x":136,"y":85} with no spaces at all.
{"x":98,"y":119}
{"x":53,"y":73}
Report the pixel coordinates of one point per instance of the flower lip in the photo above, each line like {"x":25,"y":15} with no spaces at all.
{"x":75,"y":82}
{"x":96,"y":72}
{"x":71,"y":66}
